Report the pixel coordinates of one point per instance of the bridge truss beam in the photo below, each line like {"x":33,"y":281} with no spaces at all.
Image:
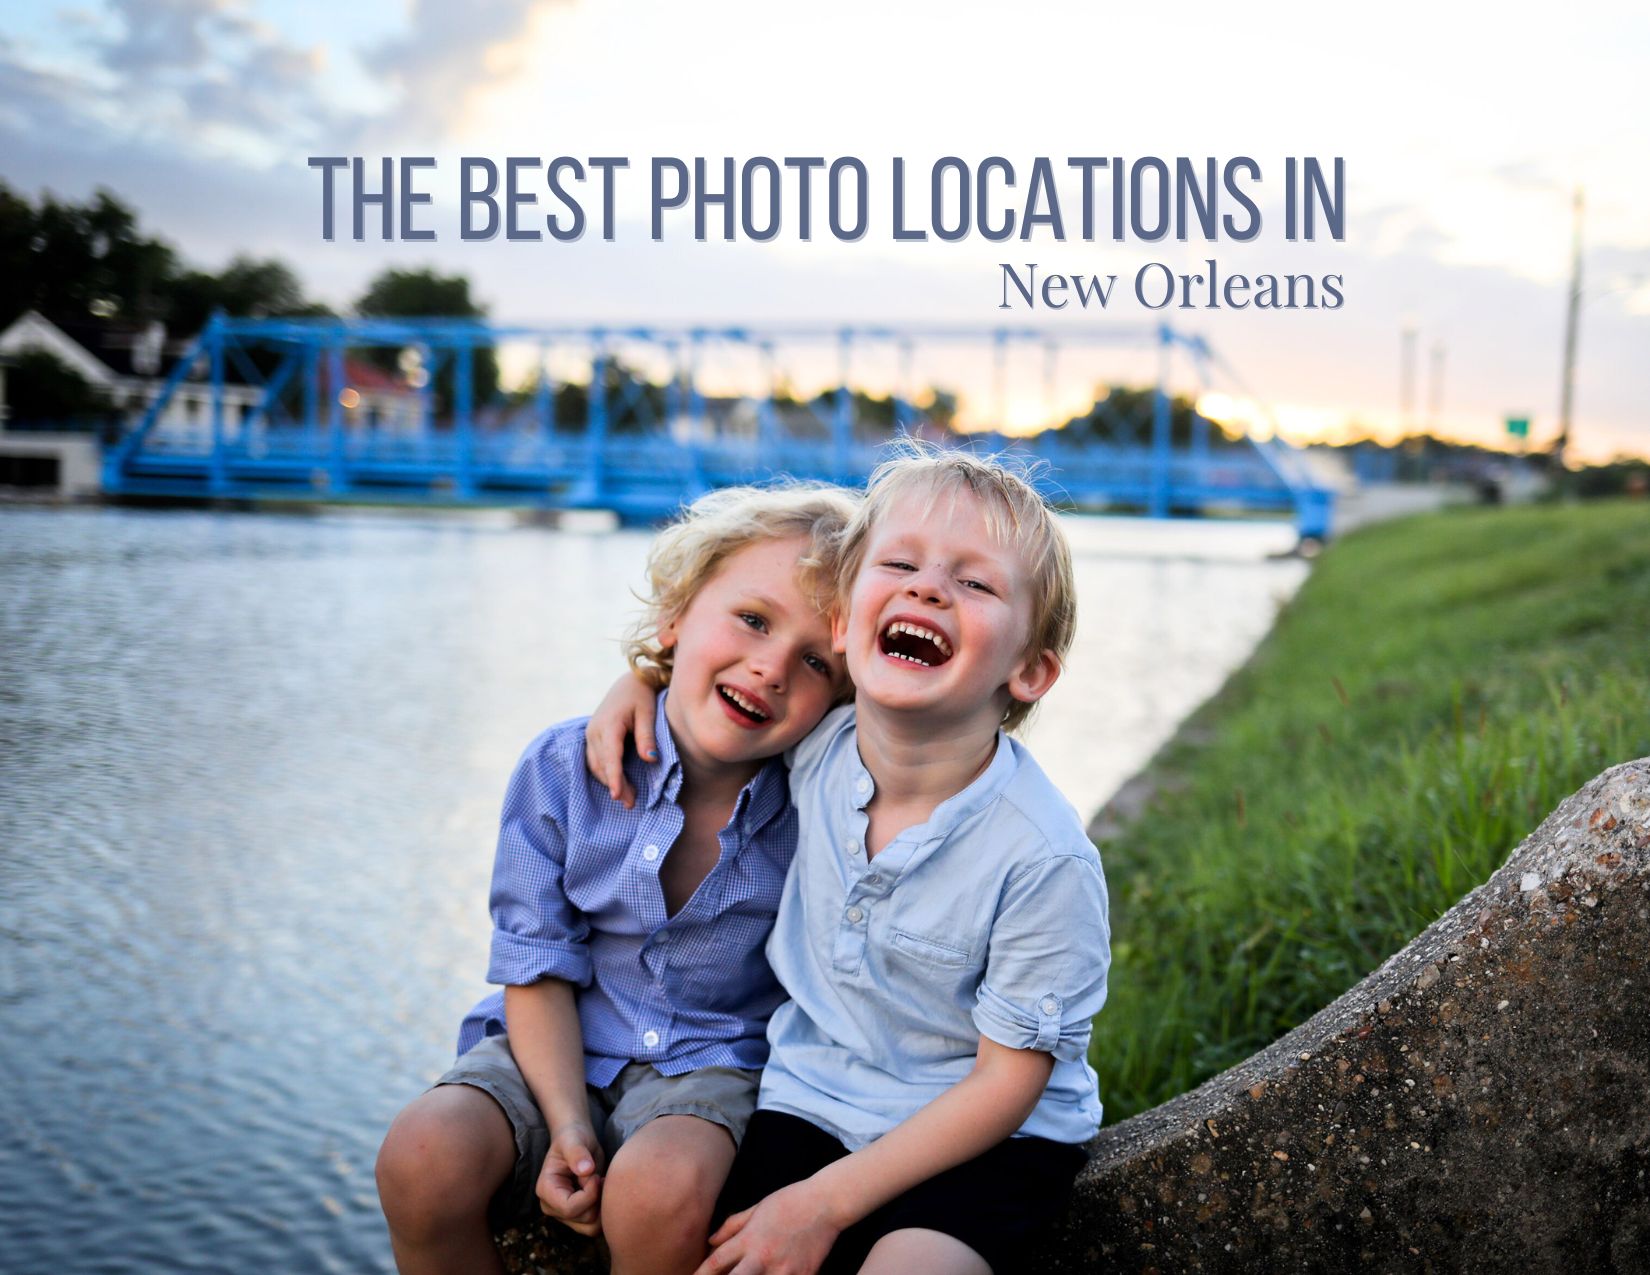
{"x":284,"y":418}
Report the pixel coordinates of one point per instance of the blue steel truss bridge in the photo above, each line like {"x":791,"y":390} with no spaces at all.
{"x":639,"y":419}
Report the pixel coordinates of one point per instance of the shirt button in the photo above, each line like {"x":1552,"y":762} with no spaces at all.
{"x":650,"y":1039}
{"x":855,"y":915}
{"x":1049,"y":1005}
{"x":863,"y":786}
{"x":650,"y":853}
{"x":850,"y":844}
{"x":874,"y":879}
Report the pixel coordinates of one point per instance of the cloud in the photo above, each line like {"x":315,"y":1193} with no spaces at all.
{"x":210,"y":77}
{"x":448,"y":54}
{"x":162,"y":35}
{"x":271,"y":90}
{"x":29,"y":97}
{"x":1527,"y":175}
{"x":202,"y":75}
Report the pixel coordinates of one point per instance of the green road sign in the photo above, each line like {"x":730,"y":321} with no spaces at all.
{"x":1518,"y":426}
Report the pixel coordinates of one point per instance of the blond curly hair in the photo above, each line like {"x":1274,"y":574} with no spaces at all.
{"x":689,"y":551}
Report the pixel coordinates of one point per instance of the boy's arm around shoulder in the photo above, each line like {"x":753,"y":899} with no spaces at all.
{"x":628,"y":709}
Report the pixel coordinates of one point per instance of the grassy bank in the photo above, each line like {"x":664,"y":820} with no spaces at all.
{"x":1436,"y":687}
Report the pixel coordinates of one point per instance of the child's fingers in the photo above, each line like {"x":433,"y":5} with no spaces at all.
{"x":582,"y":1161}
{"x":647,"y":747}
{"x":604,"y":757}
{"x":731,"y":1227}
{"x":575,"y":1149}
{"x":726,"y":1258}
{"x":576,"y":1203}
{"x":586,"y":1220}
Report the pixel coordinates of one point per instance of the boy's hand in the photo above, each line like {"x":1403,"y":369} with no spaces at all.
{"x":570,"y":1184}
{"x":789,"y":1233}
{"x":627,"y":709}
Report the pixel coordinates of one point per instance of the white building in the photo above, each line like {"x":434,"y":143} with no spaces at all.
{"x":130,"y":366}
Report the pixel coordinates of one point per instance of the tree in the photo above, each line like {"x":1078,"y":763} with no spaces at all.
{"x":634,"y":403}
{"x":247,"y":287}
{"x":71,"y":261}
{"x":941,"y":408}
{"x":74,"y":262}
{"x":1124,"y":414}
{"x":419,"y":293}
{"x":41,"y":389}
{"x":426,"y":294}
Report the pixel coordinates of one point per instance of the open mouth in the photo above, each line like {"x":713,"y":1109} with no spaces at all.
{"x":743,"y":705}
{"x":915,"y":644}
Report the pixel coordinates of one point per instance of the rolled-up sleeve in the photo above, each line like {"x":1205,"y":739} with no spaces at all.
{"x":1050,"y":951}
{"x":537,"y":933}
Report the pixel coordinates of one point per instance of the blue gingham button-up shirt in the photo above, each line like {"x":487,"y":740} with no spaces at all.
{"x":576,"y":896}
{"x":987,"y":920}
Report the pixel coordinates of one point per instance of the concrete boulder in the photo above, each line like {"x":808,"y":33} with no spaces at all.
{"x":1479,"y":1103}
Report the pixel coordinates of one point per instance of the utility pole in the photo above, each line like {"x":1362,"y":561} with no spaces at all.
{"x":1435,"y":386}
{"x":1566,"y":399}
{"x":1406,"y":378}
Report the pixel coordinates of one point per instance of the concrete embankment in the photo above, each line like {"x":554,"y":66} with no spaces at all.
{"x":1481,"y":1102}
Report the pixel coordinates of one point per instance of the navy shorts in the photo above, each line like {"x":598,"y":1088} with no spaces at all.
{"x":998,"y":1203}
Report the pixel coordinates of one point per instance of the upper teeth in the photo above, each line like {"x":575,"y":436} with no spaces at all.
{"x":744,"y":701}
{"x":916,"y":630}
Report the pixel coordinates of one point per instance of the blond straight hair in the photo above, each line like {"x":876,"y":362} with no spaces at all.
{"x":688,"y":552}
{"x":1016,"y":514}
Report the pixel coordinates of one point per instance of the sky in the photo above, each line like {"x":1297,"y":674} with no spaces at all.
{"x":1465,"y":132}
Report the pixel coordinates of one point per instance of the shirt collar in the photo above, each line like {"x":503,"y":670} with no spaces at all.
{"x":954,"y":809}
{"x":764,"y":797}
{"x":979,"y":794}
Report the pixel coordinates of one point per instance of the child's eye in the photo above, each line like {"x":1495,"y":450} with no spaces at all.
{"x":817,"y":664}
{"x":752,"y":620}
{"x":899,"y":564}
{"x":979,"y":585}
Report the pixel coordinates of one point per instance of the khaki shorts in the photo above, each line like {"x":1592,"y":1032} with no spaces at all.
{"x":724,"y":1096}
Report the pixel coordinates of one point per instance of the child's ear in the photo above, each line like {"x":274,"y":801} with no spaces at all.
{"x":1033,"y":679}
{"x":666,"y":636}
{"x":839,"y":632}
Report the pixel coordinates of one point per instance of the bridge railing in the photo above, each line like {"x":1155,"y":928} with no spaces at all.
{"x":312,"y":409}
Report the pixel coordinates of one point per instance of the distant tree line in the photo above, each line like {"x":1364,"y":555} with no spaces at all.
{"x":1124,"y":414}
{"x":73,"y":262}
{"x":91,"y":263}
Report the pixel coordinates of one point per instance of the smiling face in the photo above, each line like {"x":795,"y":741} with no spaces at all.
{"x":753,"y":670}
{"x":939,"y":616}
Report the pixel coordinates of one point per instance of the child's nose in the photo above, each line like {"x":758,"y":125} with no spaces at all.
{"x":770,"y":672}
{"x":927,"y":586}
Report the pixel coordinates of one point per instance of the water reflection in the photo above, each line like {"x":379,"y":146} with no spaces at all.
{"x":251,"y":767}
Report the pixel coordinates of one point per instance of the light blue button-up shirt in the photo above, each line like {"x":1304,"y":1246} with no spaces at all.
{"x":576,"y":896}
{"x":987,"y":920}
